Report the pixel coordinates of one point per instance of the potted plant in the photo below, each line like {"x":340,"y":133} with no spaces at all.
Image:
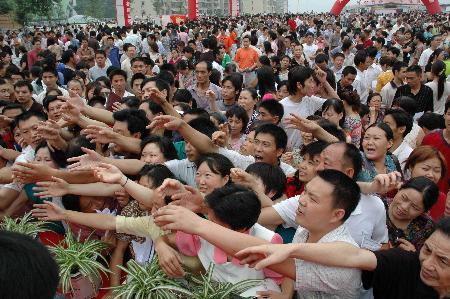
{"x":24,"y":225}
{"x":80,"y":266}
{"x":204,"y":287}
{"x":148,"y":281}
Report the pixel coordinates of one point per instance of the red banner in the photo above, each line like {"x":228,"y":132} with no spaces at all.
{"x":192,"y":9}
{"x":126,"y":12}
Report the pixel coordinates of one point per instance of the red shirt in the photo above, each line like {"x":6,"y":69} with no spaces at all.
{"x":436,"y":139}
{"x":292,"y":24}
{"x":437,"y":211}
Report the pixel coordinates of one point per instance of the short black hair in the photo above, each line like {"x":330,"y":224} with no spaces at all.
{"x":199,"y":112}
{"x":349,"y":70}
{"x":346,"y":193}
{"x":401,"y":118}
{"x":48,"y":99}
{"x":66,"y":55}
{"x":276,"y":132}
{"x":35,"y":273}
{"x":272,"y":176}
{"x":395,"y":51}
{"x":219,"y":164}
{"x":408,"y":104}
{"x":23,"y":83}
{"x":203,"y":125}
{"x":137,"y":76}
{"x":398,"y":65}
{"x":298,"y":74}
{"x":430,"y":121}
{"x":157,"y":173}
{"x":136,"y":120}
{"x":360,"y":57}
{"x":235,"y":205}
{"x":165,"y":146}
{"x":426,"y":187}
{"x":29,"y":114}
{"x":415,"y":69}
{"x":447,"y":106}
{"x":159,"y":83}
{"x":117,"y":72}
{"x":183,"y":96}
{"x":273,"y":107}
{"x":131,"y":102}
{"x":443,"y":226}
{"x":11,"y":106}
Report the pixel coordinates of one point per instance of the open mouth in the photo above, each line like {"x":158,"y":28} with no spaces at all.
{"x":258,"y":158}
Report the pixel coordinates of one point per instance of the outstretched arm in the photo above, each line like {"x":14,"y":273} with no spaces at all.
{"x":177,"y":218}
{"x":52,"y":212}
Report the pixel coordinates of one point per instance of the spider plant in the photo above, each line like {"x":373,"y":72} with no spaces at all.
{"x":148,"y":281}
{"x":204,"y":287}
{"x":75,"y":257}
{"x":26,"y":225}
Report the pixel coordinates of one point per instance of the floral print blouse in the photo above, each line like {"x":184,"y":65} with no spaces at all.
{"x":417,"y":231}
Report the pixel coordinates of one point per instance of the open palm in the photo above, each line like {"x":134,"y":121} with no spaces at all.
{"x":55,"y":187}
{"x":48,"y":211}
{"x":86,"y":161}
{"x":108,"y":173}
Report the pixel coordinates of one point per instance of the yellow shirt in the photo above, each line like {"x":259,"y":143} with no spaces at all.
{"x":138,"y":226}
{"x":383,"y":79}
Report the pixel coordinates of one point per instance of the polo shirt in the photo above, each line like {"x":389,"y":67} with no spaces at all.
{"x":424,"y":98}
{"x":397,"y":275}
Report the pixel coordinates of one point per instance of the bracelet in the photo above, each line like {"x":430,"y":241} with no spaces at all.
{"x":125,"y":182}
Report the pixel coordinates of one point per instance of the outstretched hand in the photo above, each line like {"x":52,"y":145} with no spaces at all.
{"x":174,"y":217}
{"x":48,"y":211}
{"x":262,"y":256}
{"x":85,"y":162}
{"x":55,"y":187}
{"x":166,"y":122}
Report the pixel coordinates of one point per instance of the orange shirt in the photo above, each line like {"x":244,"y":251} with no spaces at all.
{"x":246,"y":57}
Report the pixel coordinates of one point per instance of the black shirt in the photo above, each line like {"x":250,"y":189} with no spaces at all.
{"x":396,"y":276}
{"x":424,"y":98}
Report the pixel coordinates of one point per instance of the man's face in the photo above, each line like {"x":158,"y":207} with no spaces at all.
{"x":315,"y":211}
{"x":49,"y":79}
{"x":245,"y":42}
{"x":332,"y":158}
{"x":29,"y":131}
{"x":12,"y":113}
{"x":137,"y":87}
{"x":412,"y":79}
{"x":131,"y":52}
{"x":5,"y":92}
{"x":201,"y":73}
{"x":118,"y":83}
{"x":347,"y":80}
{"x":436,"y":42}
{"x":147,"y":89}
{"x":100,"y":60}
{"x":23,"y":95}
{"x":37,"y":45}
{"x":266,"y":149}
{"x":398,"y":131}
{"x":54,"y":110}
{"x":110,"y":42}
{"x":138,"y":67}
{"x":338,"y":62}
{"x":401,"y":75}
{"x":435,"y":261}
{"x":84,"y":44}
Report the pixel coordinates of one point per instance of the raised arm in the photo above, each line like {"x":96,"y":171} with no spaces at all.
{"x":305,"y":125}
{"x":200,"y":141}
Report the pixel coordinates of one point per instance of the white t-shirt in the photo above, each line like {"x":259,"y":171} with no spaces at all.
{"x":402,"y":153}
{"x":310,"y":50}
{"x":367,"y":223}
{"x":306,"y":107}
{"x":424,"y":57}
{"x":439,"y":104}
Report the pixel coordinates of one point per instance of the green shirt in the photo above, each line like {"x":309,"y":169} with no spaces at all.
{"x":226,"y":60}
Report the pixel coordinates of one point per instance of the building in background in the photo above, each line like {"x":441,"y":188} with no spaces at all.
{"x":263,"y":6}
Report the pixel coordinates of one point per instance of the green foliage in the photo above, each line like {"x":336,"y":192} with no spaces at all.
{"x":6,"y":6}
{"x":158,"y":6}
{"x":25,"y":10}
{"x":25,"y":225}
{"x":96,"y":8}
{"x":149,"y":281}
{"x":74,"y":256}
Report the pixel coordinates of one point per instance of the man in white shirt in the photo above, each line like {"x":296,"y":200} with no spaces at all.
{"x":435,"y":42}
{"x":388,"y":91}
{"x":100,"y":67}
{"x":301,"y":100}
{"x":401,"y":124}
{"x":360,"y":84}
{"x":366,"y":224}
{"x":130,"y":51}
{"x":373,"y":70}
{"x":50,"y":79}
{"x":309,"y":48}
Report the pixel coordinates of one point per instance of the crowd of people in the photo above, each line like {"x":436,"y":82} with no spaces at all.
{"x":308,"y":151}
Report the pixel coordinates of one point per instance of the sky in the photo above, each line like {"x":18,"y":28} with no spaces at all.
{"x":314,"y":5}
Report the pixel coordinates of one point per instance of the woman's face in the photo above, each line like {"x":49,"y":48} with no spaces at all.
{"x":246,"y":100}
{"x":151,"y":154}
{"x":89,"y":204}
{"x":207,"y":180}
{"x":431,"y":168}
{"x":174,"y":54}
{"x":308,"y":168}
{"x":284,"y":63}
{"x":375,"y":144}
{"x":228,"y":91}
{"x":375,"y":102}
{"x":331,"y":115}
{"x":282,"y":92}
{"x":407,"y":205}
{"x":43,"y":157}
{"x":248,"y":148}
{"x":236,"y":125}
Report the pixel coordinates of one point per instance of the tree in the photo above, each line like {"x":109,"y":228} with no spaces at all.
{"x":6,"y":7}
{"x":26,"y":9}
{"x":158,"y":5}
